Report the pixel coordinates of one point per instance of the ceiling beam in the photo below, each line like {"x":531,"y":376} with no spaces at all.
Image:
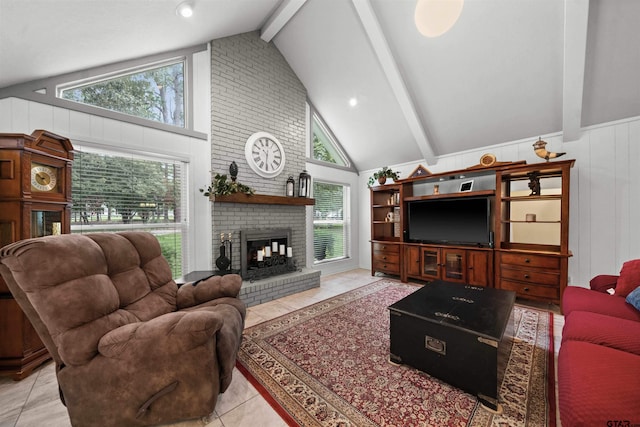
{"x":576,"y":17}
{"x":390,"y":67}
{"x":279,"y":18}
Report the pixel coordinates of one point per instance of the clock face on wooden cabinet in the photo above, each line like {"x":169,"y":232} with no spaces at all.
{"x":43,"y":178}
{"x":35,"y":201}
{"x":265,"y":154}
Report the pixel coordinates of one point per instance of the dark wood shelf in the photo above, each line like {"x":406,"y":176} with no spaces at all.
{"x":530,"y":222}
{"x":262,"y":199}
{"x":532,"y":198}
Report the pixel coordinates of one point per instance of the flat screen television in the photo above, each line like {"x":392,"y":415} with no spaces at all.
{"x":460,"y":221}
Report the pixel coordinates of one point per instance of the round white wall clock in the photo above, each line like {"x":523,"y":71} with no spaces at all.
{"x":265,"y":154}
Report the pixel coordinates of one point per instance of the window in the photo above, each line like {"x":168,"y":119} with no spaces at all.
{"x":154,"y":93}
{"x":330,"y":222}
{"x":115,"y":192}
{"x":324,"y":146}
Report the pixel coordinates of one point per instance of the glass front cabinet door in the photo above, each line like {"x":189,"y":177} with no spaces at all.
{"x":444,"y":264}
{"x":430,"y":263}
{"x":45,"y":223}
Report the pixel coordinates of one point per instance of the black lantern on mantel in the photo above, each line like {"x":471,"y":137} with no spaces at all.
{"x":288,"y":190}
{"x":304,"y":184}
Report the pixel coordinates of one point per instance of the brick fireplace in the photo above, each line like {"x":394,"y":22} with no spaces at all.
{"x":253,"y":89}
{"x":266,"y":224}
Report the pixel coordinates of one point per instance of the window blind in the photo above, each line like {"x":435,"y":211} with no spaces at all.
{"x":330,"y":222}
{"x":115,"y":191}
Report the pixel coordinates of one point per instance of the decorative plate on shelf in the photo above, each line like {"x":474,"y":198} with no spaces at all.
{"x":488,"y":159}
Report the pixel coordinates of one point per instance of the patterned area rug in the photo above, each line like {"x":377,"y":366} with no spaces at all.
{"x":327,"y":365}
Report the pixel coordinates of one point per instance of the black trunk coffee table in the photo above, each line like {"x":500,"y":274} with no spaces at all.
{"x":461,"y":334}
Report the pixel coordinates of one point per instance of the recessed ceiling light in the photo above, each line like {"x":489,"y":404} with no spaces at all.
{"x":184,"y":9}
{"x":353,"y":102}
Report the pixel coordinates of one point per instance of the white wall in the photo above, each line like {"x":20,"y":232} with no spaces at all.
{"x":605,"y":199}
{"x":20,"y":116}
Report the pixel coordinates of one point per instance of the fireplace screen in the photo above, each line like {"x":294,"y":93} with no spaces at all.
{"x":265,"y":253}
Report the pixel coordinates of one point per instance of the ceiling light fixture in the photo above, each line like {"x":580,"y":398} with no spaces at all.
{"x":436,"y":17}
{"x":184,"y":9}
{"x":353,"y":102}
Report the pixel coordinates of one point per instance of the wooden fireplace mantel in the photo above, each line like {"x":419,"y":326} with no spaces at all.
{"x":263,"y":199}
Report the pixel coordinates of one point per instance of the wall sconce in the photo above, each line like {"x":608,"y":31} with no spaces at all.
{"x":304,"y":184}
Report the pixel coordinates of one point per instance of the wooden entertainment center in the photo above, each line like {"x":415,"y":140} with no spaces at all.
{"x":527,"y":247}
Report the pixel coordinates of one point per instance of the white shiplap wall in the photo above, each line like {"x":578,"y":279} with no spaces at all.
{"x":604,"y":227}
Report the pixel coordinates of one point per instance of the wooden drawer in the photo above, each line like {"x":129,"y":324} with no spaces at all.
{"x":386,"y":257}
{"x":535,"y":261}
{"x":386,"y":267}
{"x":530,"y":276}
{"x":527,"y":289}
{"x":386,"y":248}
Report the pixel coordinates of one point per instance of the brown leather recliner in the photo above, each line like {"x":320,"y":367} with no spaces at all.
{"x":130,"y":347}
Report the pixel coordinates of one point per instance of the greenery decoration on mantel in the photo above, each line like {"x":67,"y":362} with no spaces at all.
{"x":382,"y":175}
{"x":220,"y":186}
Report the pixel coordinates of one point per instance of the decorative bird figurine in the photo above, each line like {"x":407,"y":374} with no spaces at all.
{"x":538,"y":147}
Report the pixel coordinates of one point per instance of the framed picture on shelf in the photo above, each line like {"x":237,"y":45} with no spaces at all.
{"x":466,"y":186}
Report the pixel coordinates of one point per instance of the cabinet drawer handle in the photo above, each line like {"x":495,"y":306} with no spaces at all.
{"x":526,"y":289}
{"x":384,"y":257}
{"x":527,"y":260}
{"x":526,"y":276}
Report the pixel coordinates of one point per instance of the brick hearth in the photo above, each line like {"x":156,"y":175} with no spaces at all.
{"x":260,"y":291}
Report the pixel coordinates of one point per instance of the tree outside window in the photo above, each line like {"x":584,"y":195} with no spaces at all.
{"x":155,"y":94}
{"x":112,"y":192}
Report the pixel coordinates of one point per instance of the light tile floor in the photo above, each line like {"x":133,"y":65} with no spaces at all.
{"x":34,"y":402}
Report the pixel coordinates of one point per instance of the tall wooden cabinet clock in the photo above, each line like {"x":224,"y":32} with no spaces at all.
{"x":35,"y":201}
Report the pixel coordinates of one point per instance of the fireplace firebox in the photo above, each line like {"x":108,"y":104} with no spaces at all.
{"x":266,"y":253}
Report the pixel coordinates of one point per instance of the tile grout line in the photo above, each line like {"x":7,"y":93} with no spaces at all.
{"x":26,"y":400}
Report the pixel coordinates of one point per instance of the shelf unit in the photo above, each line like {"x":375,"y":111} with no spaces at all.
{"x":532,"y":255}
{"x":387,"y":227}
{"x":529,"y":256}
{"x":387,"y":222}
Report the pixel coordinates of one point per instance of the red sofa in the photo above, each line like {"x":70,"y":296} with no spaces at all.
{"x":599,"y":358}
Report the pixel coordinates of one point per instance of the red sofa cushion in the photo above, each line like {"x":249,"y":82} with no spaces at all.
{"x":582,"y":299}
{"x":597,"y":384}
{"x":629,"y":278}
{"x":621,"y":334}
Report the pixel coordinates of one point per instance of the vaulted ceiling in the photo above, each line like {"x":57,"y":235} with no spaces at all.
{"x":508,"y":70}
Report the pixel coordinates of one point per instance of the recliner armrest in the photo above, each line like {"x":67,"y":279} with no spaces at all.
{"x":171,"y":333}
{"x":603,"y":282}
{"x":209,"y":289}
